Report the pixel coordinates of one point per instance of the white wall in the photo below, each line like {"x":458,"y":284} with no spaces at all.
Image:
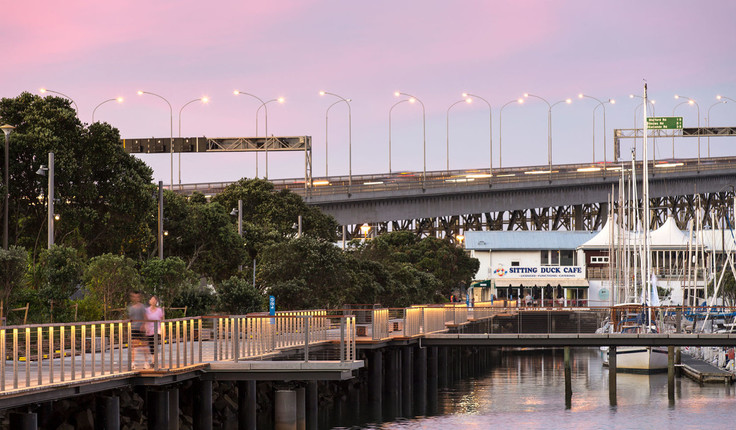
{"x":489,"y":261}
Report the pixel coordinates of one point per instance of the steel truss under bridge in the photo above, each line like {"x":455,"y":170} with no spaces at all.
{"x":638,"y":133}
{"x":224,"y":144}
{"x":590,"y":217}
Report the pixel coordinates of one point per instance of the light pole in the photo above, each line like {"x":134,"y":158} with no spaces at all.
{"x":203,"y":100}
{"x":160,"y":220}
{"x":265,"y":110}
{"x":350,"y":135}
{"x":389,"y":129}
{"x":258,"y":111}
{"x":601,"y":104}
{"x":690,"y":101}
{"x":43,"y":171}
{"x":500,"y":129}
{"x":119,"y":100}
{"x":720,"y":101}
{"x":7,"y":129}
{"x":490,"y":132}
{"x":239,"y":213}
{"x":45,"y":90}
{"x":171,"y":125}
{"x":650,"y":103}
{"x":424,"y":133}
{"x":327,"y":114}
{"x":466,"y":100}
{"x":549,"y":127}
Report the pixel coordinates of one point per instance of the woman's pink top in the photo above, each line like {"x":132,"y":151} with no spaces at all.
{"x":153,"y":315}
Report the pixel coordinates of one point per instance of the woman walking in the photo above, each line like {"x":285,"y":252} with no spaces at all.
{"x":154,"y":315}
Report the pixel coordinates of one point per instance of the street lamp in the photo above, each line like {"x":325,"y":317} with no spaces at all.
{"x":365,"y":229}
{"x":460,"y":238}
{"x":51,"y":217}
{"x":720,"y":101}
{"x":690,"y":101}
{"x":203,"y":100}
{"x":265,"y":109}
{"x":171,"y":125}
{"x":500,"y":129}
{"x":549,"y":127}
{"x":7,"y":129}
{"x":119,"y":100}
{"x":327,"y":114}
{"x":636,"y":109}
{"x":490,"y":132}
{"x":466,"y":100}
{"x":350,"y":135}
{"x":424,"y":133}
{"x":601,"y":104}
{"x":45,"y":90}
{"x":389,"y":128}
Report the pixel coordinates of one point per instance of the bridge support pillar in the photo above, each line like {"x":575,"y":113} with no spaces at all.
{"x":375,"y":375}
{"x":203,"y":406}
{"x":301,"y":414}
{"x":407,"y":374}
{"x":612,"y":375}
{"x":23,"y":421}
{"x":174,"y":408}
{"x":285,"y":410}
{"x":312,"y":401}
{"x":247,"y":405}
{"x":107,"y":413}
{"x":157,"y":403}
{"x":568,"y":379}
{"x":392,"y":383}
{"x":443,"y":365}
{"x":432,"y":370}
{"x":577,"y":213}
{"x":671,"y":373}
{"x":420,"y":381}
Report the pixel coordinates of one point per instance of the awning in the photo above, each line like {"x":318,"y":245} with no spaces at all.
{"x":541,"y":282}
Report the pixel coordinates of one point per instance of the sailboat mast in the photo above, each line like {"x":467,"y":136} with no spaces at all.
{"x":646,"y":282}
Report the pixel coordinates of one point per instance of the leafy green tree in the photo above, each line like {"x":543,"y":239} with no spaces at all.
{"x":238,"y":297}
{"x":198,"y":300}
{"x":166,"y":278}
{"x":306,"y":273}
{"x":103,"y":194}
{"x":110,"y":278}
{"x":13,"y":267}
{"x":62,"y":269}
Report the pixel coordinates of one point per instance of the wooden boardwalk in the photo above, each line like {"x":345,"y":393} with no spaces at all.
{"x":703,"y":372}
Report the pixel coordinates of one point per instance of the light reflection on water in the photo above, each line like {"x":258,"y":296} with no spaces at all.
{"x":526,"y":390}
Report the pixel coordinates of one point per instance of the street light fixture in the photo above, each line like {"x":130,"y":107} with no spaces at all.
{"x":119,"y":100}
{"x":51,"y":217}
{"x":7,"y":129}
{"x":350,"y":135}
{"x":690,"y":101}
{"x":45,"y":90}
{"x":389,"y":128}
{"x":203,"y":100}
{"x":500,"y":129}
{"x":601,"y":104}
{"x":365,"y":229}
{"x":720,"y":101}
{"x":171,"y":126}
{"x":490,"y":132}
{"x":424,"y":133}
{"x":327,"y":114}
{"x":549,"y":127}
{"x":265,"y":109}
{"x":467,"y":100}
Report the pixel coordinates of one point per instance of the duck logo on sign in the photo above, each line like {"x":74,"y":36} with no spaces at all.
{"x":499,"y":272}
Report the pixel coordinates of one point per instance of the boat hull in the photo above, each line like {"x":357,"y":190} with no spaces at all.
{"x":638,"y":359}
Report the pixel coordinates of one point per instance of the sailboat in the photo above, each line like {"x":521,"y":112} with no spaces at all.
{"x":637,"y":317}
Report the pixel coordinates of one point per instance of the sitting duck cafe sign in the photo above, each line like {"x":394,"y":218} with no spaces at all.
{"x":537,"y":272}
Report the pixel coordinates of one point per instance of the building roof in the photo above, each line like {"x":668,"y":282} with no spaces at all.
{"x":667,"y":236}
{"x":504,"y":240}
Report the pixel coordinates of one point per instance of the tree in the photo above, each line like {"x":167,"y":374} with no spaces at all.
{"x":166,"y":278}
{"x":62,"y":268}
{"x":110,"y":278}
{"x":306,"y":273}
{"x":13,"y":266}
{"x":103,"y":194}
{"x":238,"y":297}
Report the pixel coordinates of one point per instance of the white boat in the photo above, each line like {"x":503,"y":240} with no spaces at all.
{"x":632,"y":318}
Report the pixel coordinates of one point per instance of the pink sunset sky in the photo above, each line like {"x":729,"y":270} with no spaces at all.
{"x":96,"y":50}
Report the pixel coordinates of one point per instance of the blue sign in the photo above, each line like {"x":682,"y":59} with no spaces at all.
{"x":467,"y":299}
{"x":272,"y":305}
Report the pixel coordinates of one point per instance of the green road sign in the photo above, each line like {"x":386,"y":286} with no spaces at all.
{"x":664,"y":122}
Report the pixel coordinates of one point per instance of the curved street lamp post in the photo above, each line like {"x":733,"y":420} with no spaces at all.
{"x":46,"y":90}
{"x":203,"y":100}
{"x":119,"y":100}
{"x":389,"y":129}
{"x":600,"y":104}
{"x":424,"y":133}
{"x":171,"y":120}
{"x":265,"y":109}
{"x":327,"y":114}
{"x":490,"y":133}
{"x":500,"y":129}
{"x":350,"y":135}
{"x":467,"y":100}
{"x":690,"y":101}
{"x":549,"y":127}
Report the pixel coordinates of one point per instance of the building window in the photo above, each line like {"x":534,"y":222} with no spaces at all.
{"x":544,"y":258}
{"x":599,"y":259}
{"x":567,"y":258}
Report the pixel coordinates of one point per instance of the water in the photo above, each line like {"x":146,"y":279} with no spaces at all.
{"x":526,"y":389}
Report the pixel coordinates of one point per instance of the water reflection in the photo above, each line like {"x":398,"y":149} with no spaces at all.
{"x":526,"y":389}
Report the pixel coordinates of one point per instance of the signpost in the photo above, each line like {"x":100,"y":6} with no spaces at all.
{"x":664,"y":122}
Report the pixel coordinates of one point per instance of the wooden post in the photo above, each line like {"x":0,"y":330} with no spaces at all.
{"x":568,"y":379}
{"x":671,"y":373}
{"x":612,"y":375}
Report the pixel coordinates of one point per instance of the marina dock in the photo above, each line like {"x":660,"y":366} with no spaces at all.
{"x":703,"y":372}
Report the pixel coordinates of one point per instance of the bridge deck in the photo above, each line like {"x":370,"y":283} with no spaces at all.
{"x":582,"y":339}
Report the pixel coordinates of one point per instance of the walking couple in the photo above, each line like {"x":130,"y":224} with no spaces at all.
{"x":144,"y":321}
